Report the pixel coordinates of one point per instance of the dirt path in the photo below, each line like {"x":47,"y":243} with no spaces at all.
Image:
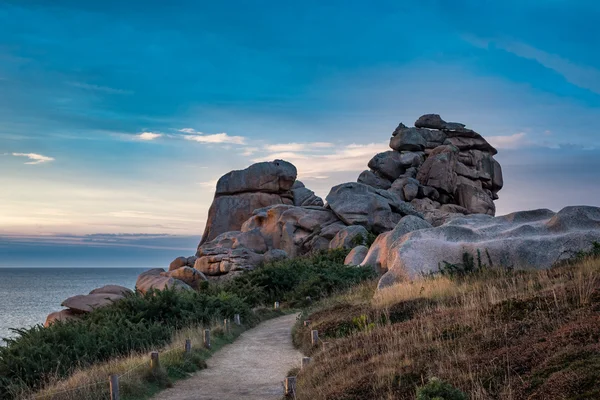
{"x":251,"y":368}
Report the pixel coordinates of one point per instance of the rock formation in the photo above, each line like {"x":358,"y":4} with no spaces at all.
{"x":441,"y":168}
{"x":239,"y":193}
{"x":526,"y":239}
{"x":85,"y":303}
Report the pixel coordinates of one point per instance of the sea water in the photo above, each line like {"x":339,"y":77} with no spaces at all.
{"x":28,"y":295}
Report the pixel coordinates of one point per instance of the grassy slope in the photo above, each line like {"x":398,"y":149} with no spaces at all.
{"x":520,"y":335}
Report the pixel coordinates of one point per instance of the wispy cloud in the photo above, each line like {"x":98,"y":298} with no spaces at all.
{"x":299,"y":146}
{"x":248,"y":151}
{"x":583,"y":76}
{"x":97,"y":88}
{"x":509,"y":142}
{"x":216,"y":138}
{"x":35,"y":158}
{"x":147,"y":136}
{"x":353,"y":157}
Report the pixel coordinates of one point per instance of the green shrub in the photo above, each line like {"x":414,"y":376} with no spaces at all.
{"x":144,"y":322}
{"x":437,"y":389}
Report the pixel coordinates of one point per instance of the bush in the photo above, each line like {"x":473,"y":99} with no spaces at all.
{"x":142,"y":322}
{"x":437,"y":389}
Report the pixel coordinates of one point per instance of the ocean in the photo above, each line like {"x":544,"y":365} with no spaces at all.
{"x":28,"y":295}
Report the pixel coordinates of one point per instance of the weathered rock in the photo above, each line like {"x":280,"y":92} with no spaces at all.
{"x":349,"y":237}
{"x":239,"y":193}
{"x":178,"y":263}
{"x":62,"y":316}
{"x":216,"y":260}
{"x":377,"y":254}
{"x":471,"y":143}
{"x":113,"y":289}
{"x":190,"y":276}
{"x":356,"y":255}
{"x":409,"y":139}
{"x":371,"y":179}
{"x":411,"y":159}
{"x":377,"y":210}
{"x":526,"y":239}
{"x":438,"y":171}
{"x":475,"y":200}
{"x":85,"y":303}
{"x":152,"y":279}
{"x":304,"y":196}
{"x":429,"y":192}
{"x":432,"y":121}
{"x":275,"y":255}
{"x":411,"y":191}
{"x":389,"y":164}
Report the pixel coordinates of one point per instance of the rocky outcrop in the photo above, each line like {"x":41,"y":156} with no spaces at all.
{"x":86,"y":303}
{"x":187,"y":275}
{"x":239,"y":193}
{"x":154,"y":279}
{"x":438,"y":164}
{"x":356,"y":255}
{"x":376,"y":209}
{"x":349,"y":237}
{"x":303,"y":196}
{"x":526,"y":239}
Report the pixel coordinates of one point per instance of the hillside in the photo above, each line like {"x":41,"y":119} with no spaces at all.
{"x":493,"y":335}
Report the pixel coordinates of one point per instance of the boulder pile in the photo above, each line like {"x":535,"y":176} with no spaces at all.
{"x":441,"y":168}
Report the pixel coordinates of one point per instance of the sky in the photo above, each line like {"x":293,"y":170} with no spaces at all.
{"x":117,"y":118}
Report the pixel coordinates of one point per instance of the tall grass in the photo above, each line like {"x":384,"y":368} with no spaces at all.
{"x":494,"y":335}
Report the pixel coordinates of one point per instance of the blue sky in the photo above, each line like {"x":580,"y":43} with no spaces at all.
{"x":118,"y":117}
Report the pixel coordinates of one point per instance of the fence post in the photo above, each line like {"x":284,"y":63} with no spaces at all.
{"x":325,"y":344}
{"x":290,"y":385}
{"x":114,"y":387}
{"x":236,"y":319}
{"x":154,"y":363}
{"x":226,"y":325}
{"x":307,"y":322}
{"x":314,"y":339}
{"x":305,"y":362}
{"x":188,"y":346}
{"x":207,"y":338}
{"x":276,"y":305}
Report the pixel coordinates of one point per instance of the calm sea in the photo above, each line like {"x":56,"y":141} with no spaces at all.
{"x":28,"y":295}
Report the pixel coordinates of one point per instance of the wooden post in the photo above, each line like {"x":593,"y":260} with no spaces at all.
{"x":290,"y":385}
{"x":305,"y":362}
{"x":114,"y":387}
{"x":188,"y":346}
{"x":236,"y":319}
{"x":154,"y":363}
{"x":276,"y":305}
{"x":314,"y":339}
{"x":307,"y":322}
{"x":325,"y":344}
{"x":226,"y":325}
{"x":207,"y":338}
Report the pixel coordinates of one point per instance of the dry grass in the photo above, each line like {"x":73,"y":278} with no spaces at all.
{"x":502,"y":335}
{"x":136,"y":379}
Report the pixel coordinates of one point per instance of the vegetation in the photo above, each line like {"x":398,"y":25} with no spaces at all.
{"x":143,"y":322}
{"x":488,"y":334}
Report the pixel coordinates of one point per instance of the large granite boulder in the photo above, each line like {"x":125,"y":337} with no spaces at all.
{"x":153,"y":279}
{"x":349,"y":237}
{"x":62,"y":316}
{"x":85,"y":303}
{"x":527,"y":239}
{"x":375,"y":209}
{"x":356,"y":255}
{"x":303,"y":196}
{"x":190,"y":276}
{"x":113,"y":289}
{"x":378,"y":252}
{"x":239,"y":193}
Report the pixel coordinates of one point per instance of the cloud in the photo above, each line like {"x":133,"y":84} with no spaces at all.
{"x":249,"y":151}
{"x":190,"y":130}
{"x":147,"y":136}
{"x":582,"y":76}
{"x":35,"y":158}
{"x":353,"y":157}
{"x":98,"y":88}
{"x":508,"y":142}
{"x":298,"y":146}
{"x":216,"y":138}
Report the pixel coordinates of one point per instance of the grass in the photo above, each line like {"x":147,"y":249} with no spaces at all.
{"x":491,"y":335}
{"x":47,"y":358}
{"x":136,"y":381}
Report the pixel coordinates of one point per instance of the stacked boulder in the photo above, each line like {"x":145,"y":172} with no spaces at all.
{"x":443,"y":169}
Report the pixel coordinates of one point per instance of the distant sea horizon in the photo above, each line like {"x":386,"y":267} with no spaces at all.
{"x":28,"y":293}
